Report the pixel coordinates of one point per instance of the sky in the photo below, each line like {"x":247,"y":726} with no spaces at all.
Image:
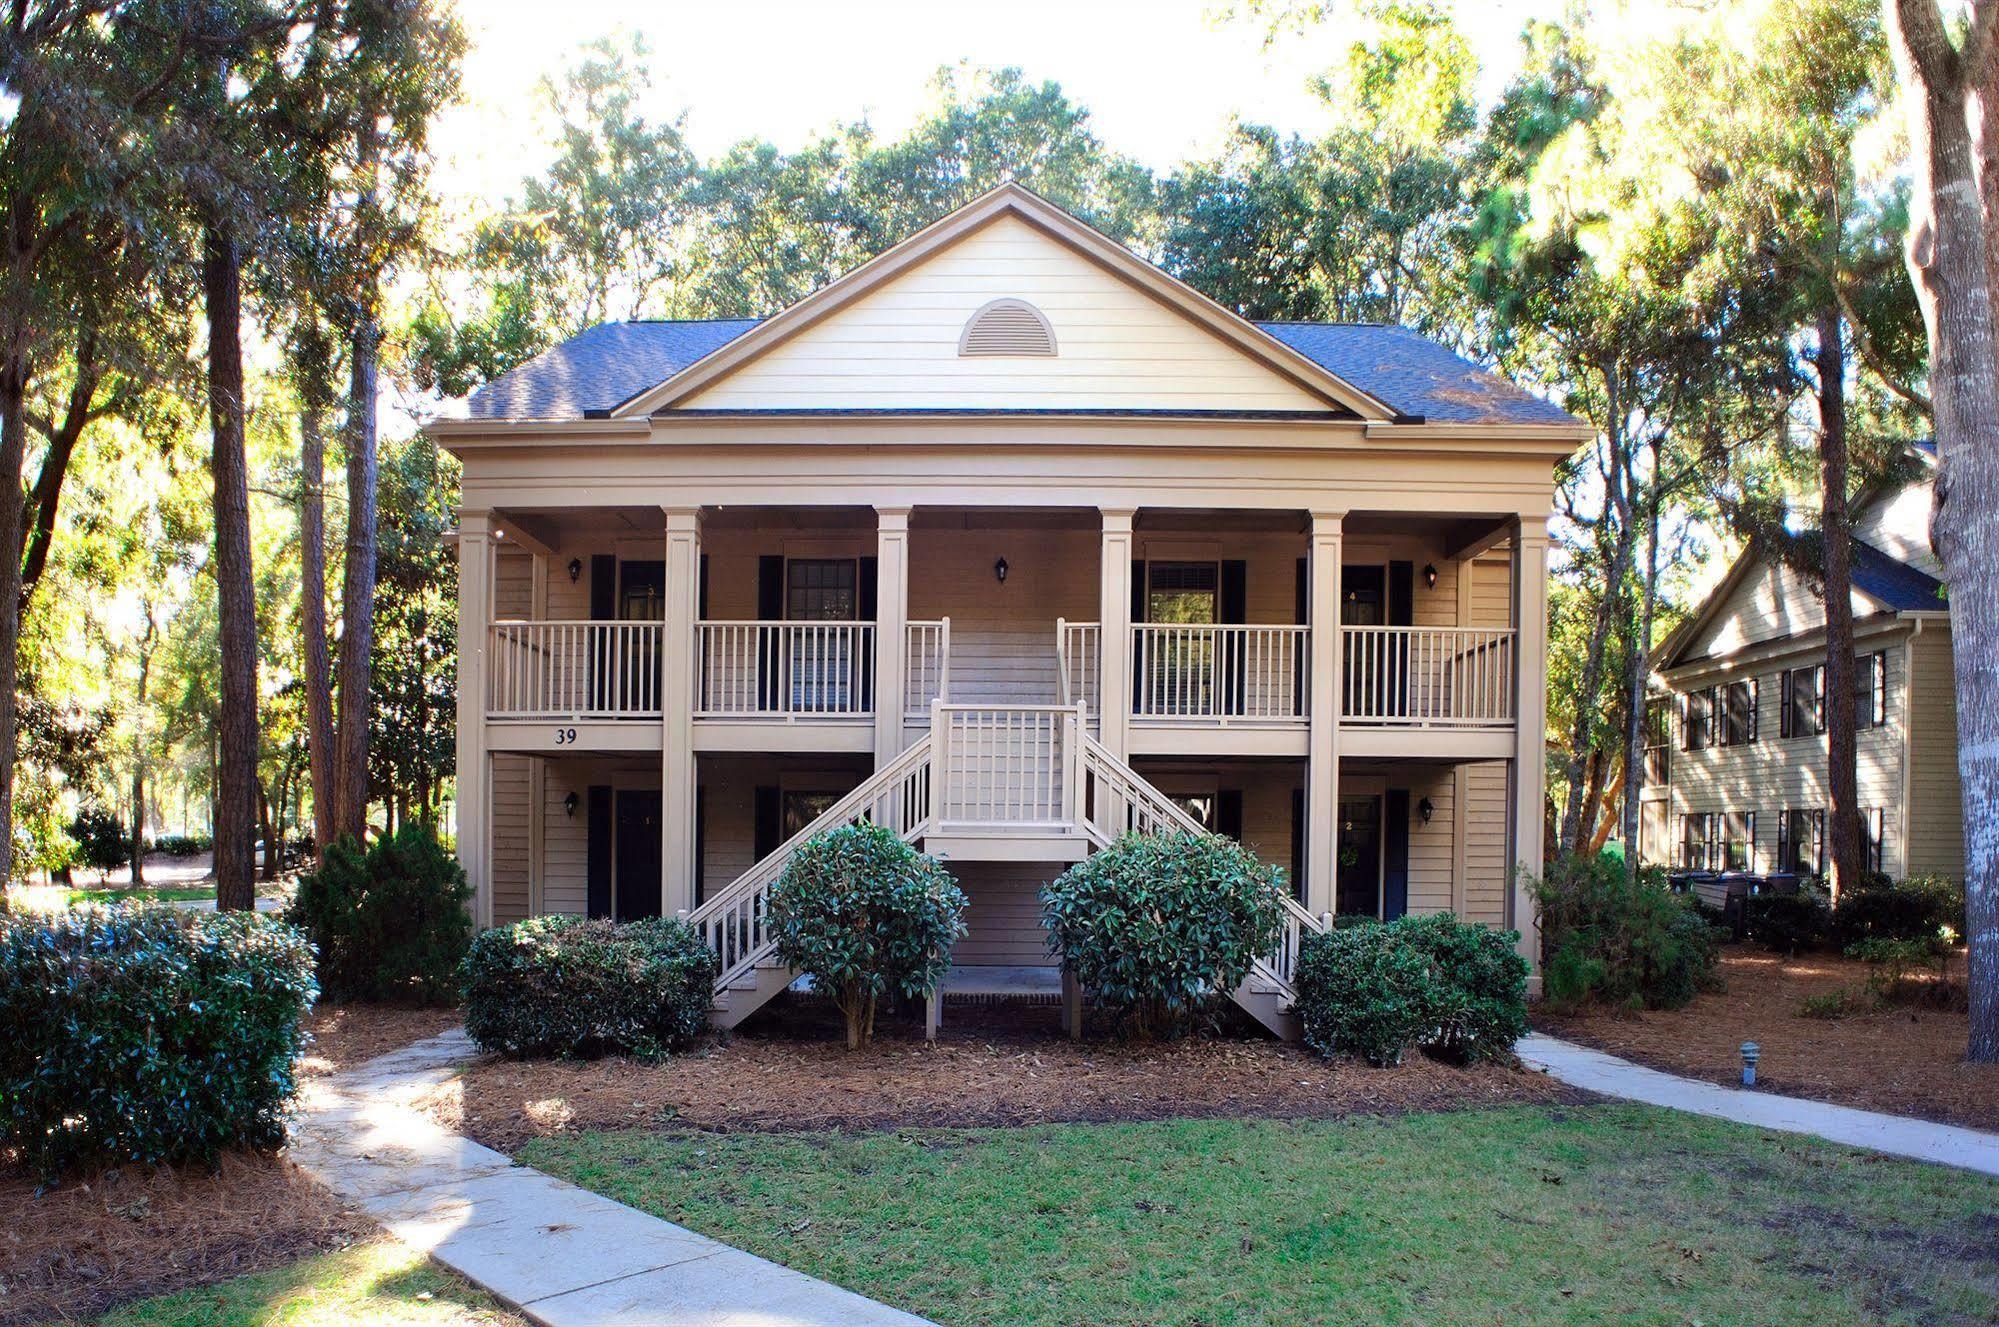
{"x":1161,"y":77}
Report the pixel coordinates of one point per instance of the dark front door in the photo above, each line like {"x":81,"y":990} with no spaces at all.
{"x":1364,"y":603}
{"x":1357,"y":875}
{"x":637,"y":841}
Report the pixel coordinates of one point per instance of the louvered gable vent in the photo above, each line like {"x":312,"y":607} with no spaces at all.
{"x":1007,"y":327}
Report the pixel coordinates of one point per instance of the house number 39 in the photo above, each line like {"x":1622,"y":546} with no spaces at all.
{"x":565,"y":736}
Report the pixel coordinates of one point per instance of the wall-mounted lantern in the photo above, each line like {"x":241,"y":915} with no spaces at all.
{"x":999,"y":571}
{"x":569,"y":806}
{"x":1426,"y":808}
{"x":575,"y":569}
{"x":1430,"y":575}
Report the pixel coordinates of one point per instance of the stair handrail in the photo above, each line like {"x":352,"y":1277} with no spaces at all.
{"x":731,"y":921}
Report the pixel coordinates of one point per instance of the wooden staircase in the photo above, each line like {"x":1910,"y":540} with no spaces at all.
{"x":992,"y":783}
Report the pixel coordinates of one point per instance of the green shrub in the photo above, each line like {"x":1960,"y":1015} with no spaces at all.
{"x":141,"y":1035}
{"x":390,"y":922}
{"x":101,"y":841}
{"x":1362,"y":991}
{"x":1156,"y":925}
{"x":1619,"y":937}
{"x":1479,"y":987}
{"x":561,"y":986}
{"x":865,"y":916}
{"x":1836,"y":1004}
{"x":182,"y":845}
{"x":1944,"y":895}
{"x":1456,"y":989}
{"x":1789,"y":923}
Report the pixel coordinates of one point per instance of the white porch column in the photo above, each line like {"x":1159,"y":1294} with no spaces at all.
{"x":475,"y":615}
{"x":1530,"y":765}
{"x":891,"y":628}
{"x":1114,"y":638}
{"x":1322,"y":762}
{"x":677,"y":679}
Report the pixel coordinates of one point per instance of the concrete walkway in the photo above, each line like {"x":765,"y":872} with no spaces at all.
{"x":1897,"y":1135}
{"x":562,"y":1255}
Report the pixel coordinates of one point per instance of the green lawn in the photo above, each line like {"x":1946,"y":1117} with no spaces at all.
{"x":1601,"y":1214}
{"x":78,"y":897}
{"x":381,"y":1283}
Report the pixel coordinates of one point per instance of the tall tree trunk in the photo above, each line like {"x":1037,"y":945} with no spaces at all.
{"x":357,"y":609}
{"x":1618,"y":505}
{"x":1949,"y":261}
{"x":13,"y":447}
{"x":319,"y":739}
{"x":1836,"y":532}
{"x":1638,"y":680}
{"x":236,"y":724}
{"x":139,"y":757}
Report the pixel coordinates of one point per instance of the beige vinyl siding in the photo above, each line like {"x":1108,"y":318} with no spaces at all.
{"x":1432,"y":847}
{"x":1117,"y":348}
{"x":1936,"y":807}
{"x":1898,"y":524}
{"x":728,"y":796}
{"x":1003,"y":913}
{"x":1487,"y":839}
{"x":1003,"y":636}
{"x":513,"y":857}
{"x":1777,"y":773}
{"x":565,"y":877}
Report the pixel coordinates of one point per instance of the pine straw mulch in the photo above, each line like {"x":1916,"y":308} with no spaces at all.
{"x":97,"y":1241}
{"x":988,"y":1068}
{"x":1904,"y":1059}
{"x":80,"y":1249}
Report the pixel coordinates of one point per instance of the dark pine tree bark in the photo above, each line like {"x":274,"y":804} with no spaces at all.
{"x":236,"y":755}
{"x":357,"y":633}
{"x":1836,"y":529}
{"x":318,"y":657}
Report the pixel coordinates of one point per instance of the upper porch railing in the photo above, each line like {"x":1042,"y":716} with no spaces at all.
{"x":1428,"y":677}
{"x":574,"y":670}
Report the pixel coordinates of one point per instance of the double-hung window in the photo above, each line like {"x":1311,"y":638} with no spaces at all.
{"x":1658,"y":740}
{"x":1870,"y":690}
{"x":1801,"y":841}
{"x":1804,"y":701}
{"x":1738,"y":845}
{"x":1736,"y":723}
{"x":1700,"y":841}
{"x":1873,"y":831}
{"x":1700,"y":718}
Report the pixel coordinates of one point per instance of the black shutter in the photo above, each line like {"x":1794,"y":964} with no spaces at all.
{"x":597,"y":852}
{"x":1784,"y":703}
{"x":1301,"y":614}
{"x":867,"y":600}
{"x":1140,"y":641}
{"x":603,"y":587}
{"x":769,"y":831}
{"x":1401,"y":613}
{"x":770,"y":608}
{"x":1298,"y":844}
{"x":1232,"y":609}
{"x":701,"y":599}
{"x":1395,"y":855}
{"x":1228,"y":813}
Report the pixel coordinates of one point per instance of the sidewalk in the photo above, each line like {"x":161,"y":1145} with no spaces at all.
{"x":1598,"y":1071}
{"x":563,"y":1255}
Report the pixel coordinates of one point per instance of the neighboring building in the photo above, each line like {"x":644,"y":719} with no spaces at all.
{"x":1736,"y":760}
{"x":1009,"y":541}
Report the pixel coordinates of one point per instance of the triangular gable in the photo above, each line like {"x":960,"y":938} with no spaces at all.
{"x":1760,"y":599}
{"x":1129,"y":337}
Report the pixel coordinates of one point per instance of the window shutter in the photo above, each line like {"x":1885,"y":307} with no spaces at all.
{"x":1228,"y":813}
{"x":1818,"y":699}
{"x":1298,"y":844}
{"x":603,"y":587}
{"x":1395,"y":854}
{"x":700,"y":832}
{"x":1749,"y":841}
{"x":1881,"y":687}
{"x":766,"y":830}
{"x":1784,"y":703}
{"x":701,"y":594}
{"x":597,"y":852}
{"x":1818,"y":838}
{"x":1755,"y":705}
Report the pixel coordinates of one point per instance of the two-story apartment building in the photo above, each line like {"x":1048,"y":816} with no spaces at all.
{"x":1012,"y":542}
{"x":1737,"y":749}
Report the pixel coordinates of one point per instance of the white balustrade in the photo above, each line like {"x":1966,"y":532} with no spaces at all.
{"x":1079,"y":650}
{"x":1005,"y":766}
{"x":1220,"y":673}
{"x":927,"y":673}
{"x":573,"y":670}
{"x":790,"y":670}
{"x":1428,"y":677}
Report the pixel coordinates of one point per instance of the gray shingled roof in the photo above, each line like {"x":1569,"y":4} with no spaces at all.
{"x":595,"y":372}
{"x":1893,"y":582}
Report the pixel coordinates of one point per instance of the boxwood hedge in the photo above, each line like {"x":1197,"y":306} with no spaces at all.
{"x":561,"y":986}
{"x":1456,"y":989}
{"x":148,"y":1034}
